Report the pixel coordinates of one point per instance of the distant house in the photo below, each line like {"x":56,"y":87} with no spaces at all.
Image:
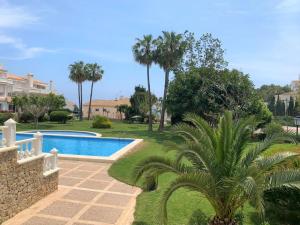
{"x":11,"y":84}
{"x":70,"y":105}
{"x":107,"y":108}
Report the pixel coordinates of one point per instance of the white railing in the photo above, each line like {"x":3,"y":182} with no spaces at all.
{"x":28,"y":148}
{"x":50,"y":161}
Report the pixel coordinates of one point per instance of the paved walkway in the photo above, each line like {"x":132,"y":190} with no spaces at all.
{"x":86,"y":195}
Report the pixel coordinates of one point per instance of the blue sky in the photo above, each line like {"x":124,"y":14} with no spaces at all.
{"x":261,"y":38}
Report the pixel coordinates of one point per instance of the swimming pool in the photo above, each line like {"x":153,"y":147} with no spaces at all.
{"x":80,"y":146}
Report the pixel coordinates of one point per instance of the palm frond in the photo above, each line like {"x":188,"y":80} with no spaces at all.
{"x":159,"y":165}
{"x":284,"y":177}
{"x":201,"y":182}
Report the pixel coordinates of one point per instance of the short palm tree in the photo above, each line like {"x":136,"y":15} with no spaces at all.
{"x":222,"y":166}
{"x":170,"y":50}
{"x":94,"y":73}
{"x":143,"y":52}
{"x":78,"y":75}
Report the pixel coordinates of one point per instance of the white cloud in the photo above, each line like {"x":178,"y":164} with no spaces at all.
{"x":15,"y":16}
{"x":24,"y":52}
{"x":288,"y":6}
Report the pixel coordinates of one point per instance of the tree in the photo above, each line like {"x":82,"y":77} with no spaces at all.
{"x":122,"y":109}
{"x":55,"y":102}
{"x":271,"y":104}
{"x":219,"y":163}
{"x":291,"y":107}
{"x":204,"y":52}
{"x":78,"y":75}
{"x":209,"y":92}
{"x":267,"y":92}
{"x":139,"y":102}
{"x":36,"y":105}
{"x":143,"y":52}
{"x":170,"y":50}
{"x":94,"y":73}
{"x":280,"y":107}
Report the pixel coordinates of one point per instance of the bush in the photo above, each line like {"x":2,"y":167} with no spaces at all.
{"x":59,"y":116}
{"x":26,"y":117}
{"x":5,"y":116}
{"x":282,"y":206}
{"x":101,"y":122}
{"x":273,"y":128}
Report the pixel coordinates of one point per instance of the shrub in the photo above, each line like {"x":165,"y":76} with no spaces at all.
{"x":101,"y":122}
{"x":5,"y":116}
{"x":59,"y":116}
{"x":25,"y":117}
{"x":273,"y":128}
{"x":282,"y":205}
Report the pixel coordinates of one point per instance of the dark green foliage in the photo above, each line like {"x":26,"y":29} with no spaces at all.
{"x":273,"y":128}
{"x":271,"y":104}
{"x":101,"y":122}
{"x":209,"y":92}
{"x":291,"y":107}
{"x":26,"y":117}
{"x":59,"y":116}
{"x":279,"y":107}
{"x":5,"y":116}
{"x":282,"y":206}
{"x":198,"y":218}
{"x":139,"y":103}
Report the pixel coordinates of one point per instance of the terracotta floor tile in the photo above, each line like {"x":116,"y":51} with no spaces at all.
{"x":95,"y":185}
{"x":81,"y":195}
{"x":67,"y":181}
{"x":114,"y":199}
{"x":102,"y":214}
{"x":43,"y":221}
{"x":102,"y":176}
{"x":78,"y":173}
{"x":62,"y":209}
{"x":91,"y":167}
{"x":67,"y":164}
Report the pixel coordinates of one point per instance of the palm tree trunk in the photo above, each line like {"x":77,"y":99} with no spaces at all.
{"x":222,"y":221}
{"x":79,"y":100}
{"x":149,"y":99}
{"x":163,"y":107}
{"x":91,"y":95}
{"x":81,"y":116}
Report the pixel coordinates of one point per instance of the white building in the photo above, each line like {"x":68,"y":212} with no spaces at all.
{"x":11,"y":84}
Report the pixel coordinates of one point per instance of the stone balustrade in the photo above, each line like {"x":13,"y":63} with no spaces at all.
{"x":26,"y":173}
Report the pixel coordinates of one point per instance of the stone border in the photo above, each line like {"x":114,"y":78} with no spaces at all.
{"x":68,"y":135}
{"x":120,"y":153}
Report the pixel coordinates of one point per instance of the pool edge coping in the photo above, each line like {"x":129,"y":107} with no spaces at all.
{"x":104,"y":159}
{"x":34,"y":131}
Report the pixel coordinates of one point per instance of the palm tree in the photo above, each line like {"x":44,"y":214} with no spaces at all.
{"x":170,"y":50}
{"x":222,"y":166}
{"x":94,"y":73}
{"x":143,"y":52}
{"x":78,"y":75}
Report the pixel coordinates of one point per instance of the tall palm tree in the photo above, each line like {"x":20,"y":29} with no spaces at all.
{"x":222,"y":166}
{"x":78,"y":75}
{"x":170,"y":50}
{"x":143,"y":52}
{"x":94,"y":73}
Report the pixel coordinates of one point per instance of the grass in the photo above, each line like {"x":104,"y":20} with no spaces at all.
{"x":183,"y":203}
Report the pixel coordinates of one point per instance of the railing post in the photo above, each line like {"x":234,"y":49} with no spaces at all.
{"x":38,"y":143}
{"x":10,"y":132}
{"x":54,"y":158}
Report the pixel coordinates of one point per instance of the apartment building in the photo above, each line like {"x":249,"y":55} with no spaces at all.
{"x":11,"y":84}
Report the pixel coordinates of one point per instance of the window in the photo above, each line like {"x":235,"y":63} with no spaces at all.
{"x":97,"y":110}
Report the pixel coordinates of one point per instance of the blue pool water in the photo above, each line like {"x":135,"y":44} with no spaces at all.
{"x":89,"y":146}
{"x":79,"y":133}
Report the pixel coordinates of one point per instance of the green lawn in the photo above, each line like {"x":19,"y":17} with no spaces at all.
{"x":183,"y":203}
